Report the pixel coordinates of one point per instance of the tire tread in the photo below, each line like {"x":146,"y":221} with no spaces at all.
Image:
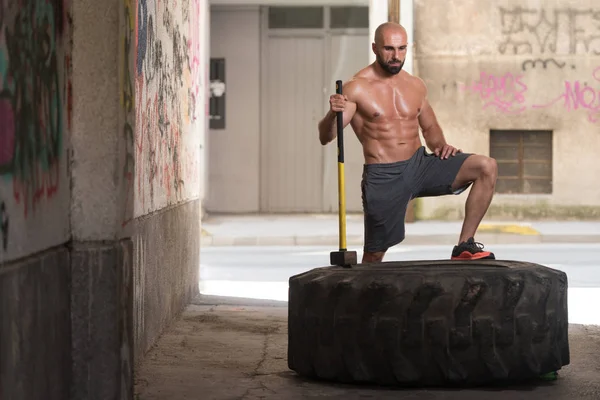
{"x":428,"y":323}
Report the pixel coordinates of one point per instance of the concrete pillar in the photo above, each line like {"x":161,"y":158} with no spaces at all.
{"x":101,"y":159}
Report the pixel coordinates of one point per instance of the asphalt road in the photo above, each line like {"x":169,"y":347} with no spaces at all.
{"x":263,"y":272}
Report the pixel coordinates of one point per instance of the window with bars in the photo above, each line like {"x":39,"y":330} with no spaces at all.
{"x":524,"y":160}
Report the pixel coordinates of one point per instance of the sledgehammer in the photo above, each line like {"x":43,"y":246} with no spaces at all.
{"x":343,"y":257}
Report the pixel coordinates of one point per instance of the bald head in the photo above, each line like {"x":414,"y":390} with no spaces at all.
{"x":386,"y":31}
{"x":390,"y":47}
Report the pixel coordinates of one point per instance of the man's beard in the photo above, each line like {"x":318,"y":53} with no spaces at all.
{"x":391,"y":69}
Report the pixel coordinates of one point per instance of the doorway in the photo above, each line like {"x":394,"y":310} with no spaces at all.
{"x":304,"y":51}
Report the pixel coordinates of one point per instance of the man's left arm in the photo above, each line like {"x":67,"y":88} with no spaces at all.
{"x":432,"y":131}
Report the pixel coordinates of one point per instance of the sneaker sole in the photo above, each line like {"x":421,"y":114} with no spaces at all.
{"x":465,"y":256}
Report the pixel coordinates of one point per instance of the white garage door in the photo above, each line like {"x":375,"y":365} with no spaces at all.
{"x":305,"y":50}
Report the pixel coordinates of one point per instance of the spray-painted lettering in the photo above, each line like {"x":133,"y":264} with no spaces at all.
{"x":31,"y":107}
{"x":579,"y":96}
{"x":505,"y":93}
{"x":549,"y":31}
{"x":166,"y":69}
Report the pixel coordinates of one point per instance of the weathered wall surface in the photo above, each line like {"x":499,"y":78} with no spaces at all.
{"x":35,"y":339}
{"x":99,"y":149}
{"x":34,"y":124}
{"x":517,"y":65}
{"x":169,"y":114}
{"x":166,"y":254}
{"x":101,"y":321}
{"x":95,"y":137}
{"x":100,"y":290}
{"x":168,"y":78}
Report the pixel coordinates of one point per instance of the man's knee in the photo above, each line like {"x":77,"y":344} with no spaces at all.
{"x":374,"y":257}
{"x":482,"y":167}
{"x":489,"y":167}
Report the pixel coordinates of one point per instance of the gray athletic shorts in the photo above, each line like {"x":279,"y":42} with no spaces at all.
{"x":387,"y":188}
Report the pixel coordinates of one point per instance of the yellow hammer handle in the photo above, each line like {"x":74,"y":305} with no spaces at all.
{"x":342,"y":206}
{"x":341,"y":183}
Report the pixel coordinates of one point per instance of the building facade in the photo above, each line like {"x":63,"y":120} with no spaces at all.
{"x":519,"y":81}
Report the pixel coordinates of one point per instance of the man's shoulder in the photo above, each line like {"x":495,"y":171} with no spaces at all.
{"x":365,"y":76}
{"x":360,"y":81}
{"x":355,"y":86}
{"x":416,"y":81}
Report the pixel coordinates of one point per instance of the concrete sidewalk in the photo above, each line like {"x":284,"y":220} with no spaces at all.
{"x":238,"y":350}
{"x":322,"y":229}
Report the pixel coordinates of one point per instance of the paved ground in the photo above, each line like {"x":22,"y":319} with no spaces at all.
{"x":309,"y":229}
{"x":236,"y":351}
{"x":236,"y":348}
{"x":263,"y":272}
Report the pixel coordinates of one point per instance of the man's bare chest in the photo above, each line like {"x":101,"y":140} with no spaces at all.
{"x":388,"y":103}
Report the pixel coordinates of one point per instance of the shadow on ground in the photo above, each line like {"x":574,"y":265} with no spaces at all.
{"x":229,"y":348}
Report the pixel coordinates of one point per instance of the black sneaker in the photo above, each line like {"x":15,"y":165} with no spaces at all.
{"x":471,"y":250}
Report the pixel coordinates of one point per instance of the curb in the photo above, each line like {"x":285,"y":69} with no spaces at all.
{"x":487,"y":238}
{"x":524,"y":230}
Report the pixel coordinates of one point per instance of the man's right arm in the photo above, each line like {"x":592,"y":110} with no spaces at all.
{"x":328,"y":124}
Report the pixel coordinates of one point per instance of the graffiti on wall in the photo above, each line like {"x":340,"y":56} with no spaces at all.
{"x":167,"y":65}
{"x":546,"y":34}
{"x":3,"y":226}
{"x":507,"y":93}
{"x":544,"y":64}
{"x":31,"y":98}
{"x":549,"y":31}
{"x":578,"y":95}
{"x":127,"y":105}
{"x":194,"y":58}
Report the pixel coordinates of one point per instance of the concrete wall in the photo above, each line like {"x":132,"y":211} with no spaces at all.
{"x":100,"y":188}
{"x":234,"y":152}
{"x":34,"y":199}
{"x":34,"y":185}
{"x":169,"y":80}
{"x":483,"y":63}
{"x":168,"y":77}
{"x":35,"y":340}
{"x":101,"y":351}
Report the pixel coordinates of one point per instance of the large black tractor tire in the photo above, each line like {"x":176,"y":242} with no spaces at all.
{"x":428,"y":323}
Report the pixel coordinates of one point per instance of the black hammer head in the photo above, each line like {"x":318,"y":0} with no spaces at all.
{"x":343,"y":258}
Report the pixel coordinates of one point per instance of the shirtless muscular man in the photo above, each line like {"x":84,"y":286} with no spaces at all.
{"x":385,"y":107}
